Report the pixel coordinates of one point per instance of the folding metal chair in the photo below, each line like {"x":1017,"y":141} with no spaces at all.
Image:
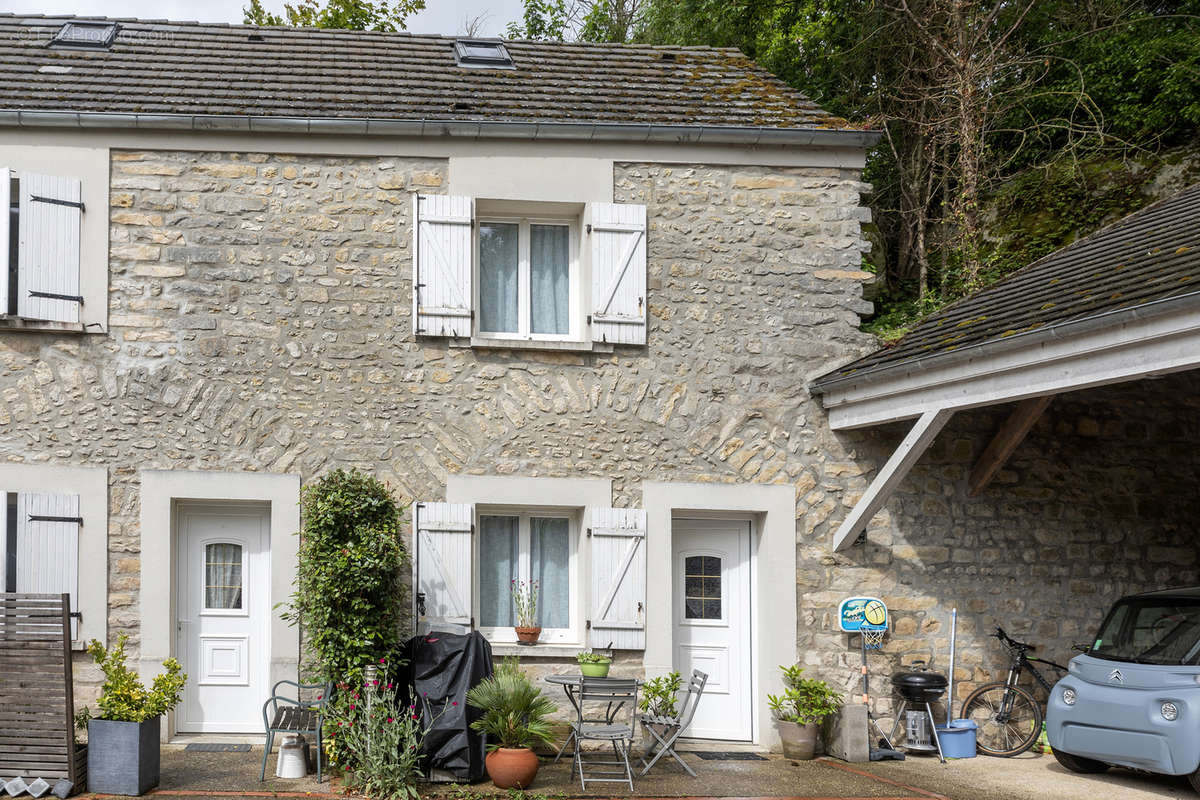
{"x":614,"y":724}
{"x":675,"y":725}
{"x":295,"y":715}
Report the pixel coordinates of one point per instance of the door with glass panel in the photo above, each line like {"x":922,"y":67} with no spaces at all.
{"x":223,"y":609}
{"x":526,"y":286}
{"x":523,"y":549}
{"x":712,"y":622}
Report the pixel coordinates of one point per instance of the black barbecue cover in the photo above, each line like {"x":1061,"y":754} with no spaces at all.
{"x":442,"y":667}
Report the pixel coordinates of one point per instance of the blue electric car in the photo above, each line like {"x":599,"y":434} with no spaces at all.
{"x":1133,"y":699}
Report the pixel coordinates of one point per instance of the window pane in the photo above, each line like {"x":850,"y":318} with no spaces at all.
{"x":549,"y":564}
{"x":498,"y":277}
{"x":498,"y":556}
{"x":223,"y":576}
{"x":702,"y":587}
{"x":549,"y":278}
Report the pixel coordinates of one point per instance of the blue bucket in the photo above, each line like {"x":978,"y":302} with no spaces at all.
{"x":958,"y":740}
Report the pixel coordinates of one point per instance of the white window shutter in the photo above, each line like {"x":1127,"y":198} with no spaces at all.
{"x":48,"y":530}
{"x":48,"y":262}
{"x":443,"y":559}
{"x":5,"y":202}
{"x":442,"y":257}
{"x":618,"y":234}
{"x":617,"y":613}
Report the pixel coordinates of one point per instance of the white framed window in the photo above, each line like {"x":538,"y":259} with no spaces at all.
{"x":526,"y":546}
{"x":528,"y":275}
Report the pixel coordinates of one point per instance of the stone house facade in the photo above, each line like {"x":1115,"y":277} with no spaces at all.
{"x":249,"y":320}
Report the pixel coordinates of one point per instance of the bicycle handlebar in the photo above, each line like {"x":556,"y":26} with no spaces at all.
{"x":1011,"y":642}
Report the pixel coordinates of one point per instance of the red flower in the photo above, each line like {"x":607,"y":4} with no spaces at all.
{"x":352,"y":706}
{"x":391,"y":720}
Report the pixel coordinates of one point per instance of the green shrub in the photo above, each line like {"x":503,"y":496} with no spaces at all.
{"x":124,"y":697}
{"x":804,"y":700}
{"x":658,"y":695}
{"x":514,"y":712}
{"x":348,"y":596}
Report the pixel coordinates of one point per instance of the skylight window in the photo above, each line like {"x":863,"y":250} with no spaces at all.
{"x":482,"y":53}
{"x":97,"y":35}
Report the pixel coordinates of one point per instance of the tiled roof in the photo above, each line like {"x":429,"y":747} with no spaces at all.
{"x":161,"y":67}
{"x":1149,"y":256}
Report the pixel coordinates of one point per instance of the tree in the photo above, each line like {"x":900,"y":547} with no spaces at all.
{"x":581,"y":20}
{"x":358,"y":15}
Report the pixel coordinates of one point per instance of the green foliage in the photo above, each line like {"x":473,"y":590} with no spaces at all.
{"x":525,"y":602}
{"x":375,"y":739}
{"x":588,"y":657}
{"x":659,"y":695}
{"x":124,"y":697}
{"x":349,"y":597}
{"x":804,"y":700}
{"x":358,"y":15}
{"x":543,"y":20}
{"x":514,"y":712}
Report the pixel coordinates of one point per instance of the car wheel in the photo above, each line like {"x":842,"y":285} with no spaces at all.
{"x":1194,"y":779}
{"x":1086,"y":765}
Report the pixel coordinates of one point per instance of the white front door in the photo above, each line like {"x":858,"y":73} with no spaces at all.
{"x":222,"y":583}
{"x":711,"y":566}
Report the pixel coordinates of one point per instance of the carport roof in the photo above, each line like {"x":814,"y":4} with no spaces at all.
{"x":1125,"y":269}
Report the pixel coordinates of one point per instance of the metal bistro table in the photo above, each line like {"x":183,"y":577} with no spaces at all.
{"x":571,"y":685}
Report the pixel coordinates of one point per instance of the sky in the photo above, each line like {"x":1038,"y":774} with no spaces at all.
{"x":439,"y":16}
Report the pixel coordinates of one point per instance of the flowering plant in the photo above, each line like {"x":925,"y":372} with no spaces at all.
{"x":376,"y":738}
{"x":525,"y":601}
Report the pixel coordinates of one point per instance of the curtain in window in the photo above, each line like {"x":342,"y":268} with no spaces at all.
{"x":223,"y":576}
{"x":549,"y":553}
{"x":549,"y":278}
{"x":498,"y":277}
{"x":498,"y":563}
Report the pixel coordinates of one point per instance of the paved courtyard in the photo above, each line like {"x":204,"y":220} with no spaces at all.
{"x":195,"y":776}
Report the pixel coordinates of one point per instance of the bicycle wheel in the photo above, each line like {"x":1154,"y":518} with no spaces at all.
{"x":1009,"y":719}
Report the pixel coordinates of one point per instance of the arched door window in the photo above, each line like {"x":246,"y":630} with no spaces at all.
{"x":223,"y":576}
{"x":702,"y":587}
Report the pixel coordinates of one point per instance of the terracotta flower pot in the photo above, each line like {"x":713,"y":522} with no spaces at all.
{"x":528,"y":635}
{"x":512,"y":767}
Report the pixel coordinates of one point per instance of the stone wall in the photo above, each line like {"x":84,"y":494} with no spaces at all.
{"x":1099,"y":501}
{"x":260,"y":320}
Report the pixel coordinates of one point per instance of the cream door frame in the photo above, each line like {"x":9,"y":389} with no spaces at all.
{"x":160,"y":491}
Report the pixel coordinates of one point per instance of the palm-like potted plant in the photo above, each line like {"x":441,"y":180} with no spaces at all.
{"x":593,"y":665}
{"x":800,"y":710}
{"x":514,"y":719}
{"x":123,"y":741}
{"x":525,"y":602}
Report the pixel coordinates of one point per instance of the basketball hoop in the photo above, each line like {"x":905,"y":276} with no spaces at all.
{"x":872,"y":638}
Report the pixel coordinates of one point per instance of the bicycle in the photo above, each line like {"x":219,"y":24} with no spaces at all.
{"x":1008,"y":716}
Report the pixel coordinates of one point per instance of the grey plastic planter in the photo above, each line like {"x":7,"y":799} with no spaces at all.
{"x":123,"y":757}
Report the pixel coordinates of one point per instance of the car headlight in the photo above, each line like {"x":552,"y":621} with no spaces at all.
{"x":1068,"y":696}
{"x":1170,"y":712}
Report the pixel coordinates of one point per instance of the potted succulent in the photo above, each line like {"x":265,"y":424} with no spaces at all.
{"x":123,"y":740}
{"x":800,"y":710}
{"x":657,"y":704}
{"x":593,"y":665}
{"x":514,"y":719}
{"x":525,"y":601}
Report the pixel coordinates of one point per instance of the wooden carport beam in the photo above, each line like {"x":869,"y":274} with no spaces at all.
{"x":915,"y":443}
{"x":1011,"y":434}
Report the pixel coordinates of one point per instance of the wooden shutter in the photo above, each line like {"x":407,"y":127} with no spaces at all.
{"x":48,"y":271}
{"x":617,"y":614}
{"x":48,"y":528}
{"x":5,"y":202}
{"x":618,"y":233}
{"x":443,"y":565}
{"x":442,"y":256}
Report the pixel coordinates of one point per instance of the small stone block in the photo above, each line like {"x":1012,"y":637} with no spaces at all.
{"x":63,"y":788}
{"x":15,"y":787}
{"x":38,"y":788}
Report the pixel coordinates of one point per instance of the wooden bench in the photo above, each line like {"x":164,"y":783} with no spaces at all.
{"x":37,"y":704}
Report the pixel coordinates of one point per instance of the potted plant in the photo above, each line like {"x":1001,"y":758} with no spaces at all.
{"x":657,"y":703}
{"x":525,"y":601}
{"x":593,"y":665}
{"x":514,"y":719}
{"x":800,"y":710}
{"x":123,"y":739}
